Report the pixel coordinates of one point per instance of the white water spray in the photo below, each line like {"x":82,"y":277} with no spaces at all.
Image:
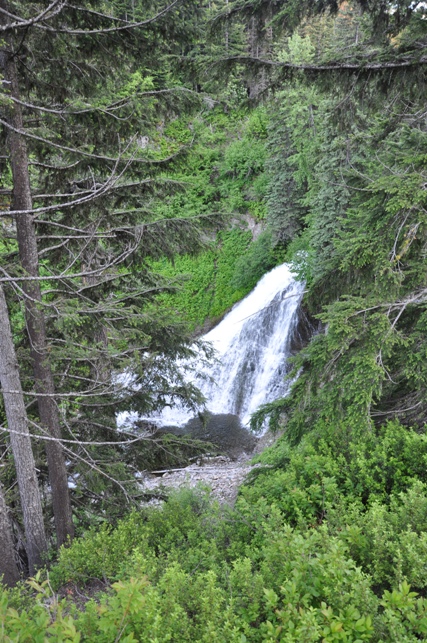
{"x":252,"y":345}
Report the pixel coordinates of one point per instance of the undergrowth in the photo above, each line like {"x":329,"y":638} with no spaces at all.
{"x":224,"y":177}
{"x":326,"y":543}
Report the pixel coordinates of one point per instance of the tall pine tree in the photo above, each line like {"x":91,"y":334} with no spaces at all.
{"x":87,"y":89}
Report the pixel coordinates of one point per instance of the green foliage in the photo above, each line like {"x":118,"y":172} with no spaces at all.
{"x":327,"y":541}
{"x":371,"y":492}
{"x":235,"y":244}
{"x":404,"y":617}
{"x":205,"y":290}
{"x":303,"y":484}
{"x":357,"y":232}
{"x":99,"y":162}
{"x":328,"y":465}
{"x":224,"y":173}
{"x":100,"y":552}
{"x":323,"y":544}
{"x":251,"y":266}
{"x":240,"y":174}
{"x":390,"y":542}
{"x":157,"y":598}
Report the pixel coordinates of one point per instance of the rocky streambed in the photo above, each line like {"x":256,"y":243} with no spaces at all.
{"x":222,"y":474}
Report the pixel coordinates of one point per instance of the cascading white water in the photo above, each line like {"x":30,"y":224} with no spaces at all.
{"x":252,"y":346}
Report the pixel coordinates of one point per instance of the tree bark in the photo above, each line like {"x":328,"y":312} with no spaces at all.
{"x":20,"y":441}
{"x":8,"y":567}
{"x":27,"y":243}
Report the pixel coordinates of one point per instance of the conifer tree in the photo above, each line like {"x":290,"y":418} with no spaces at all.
{"x":87,"y":89}
{"x":27,"y":243}
{"x":20,"y":440}
{"x":8,"y":567}
{"x":363,"y":235}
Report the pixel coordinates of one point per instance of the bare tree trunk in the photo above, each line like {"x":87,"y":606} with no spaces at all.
{"x":27,"y":243}
{"x":8,"y":566}
{"x":20,"y":441}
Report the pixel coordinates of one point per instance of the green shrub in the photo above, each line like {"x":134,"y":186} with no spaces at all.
{"x":322,"y":545}
{"x":205,"y":286}
{"x":101,"y":551}
{"x":303,"y":482}
{"x":188,"y":572}
{"x":223,"y":174}
{"x":105,"y":552}
{"x":390,"y":542}
{"x":251,"y":266}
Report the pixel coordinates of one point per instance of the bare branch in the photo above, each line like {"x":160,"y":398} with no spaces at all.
{"x":108,"y":110}
{"x":333,"y":66}
{"x":52,"y":10}
{"x":48,"y":438}
{"x":94,"y":194}
{"x":77,"y":275}
{"x":99,"y":157}
{"x":413,"y":298}
{"x":126,"y":27}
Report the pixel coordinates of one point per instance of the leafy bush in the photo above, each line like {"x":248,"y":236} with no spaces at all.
{"x":205,"y":288}
{"x":190,"y":571}
{"x":224,"y":175}
{"x":390,"y":543}
{"x":371,"y":494}
{"x":100,"y":552}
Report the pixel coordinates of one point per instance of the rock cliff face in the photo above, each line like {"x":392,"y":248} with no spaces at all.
{"x":255,"y":226}
{"x":304,"y":329}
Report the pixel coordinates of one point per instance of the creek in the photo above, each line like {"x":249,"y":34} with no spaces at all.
{"x":253,"y":344}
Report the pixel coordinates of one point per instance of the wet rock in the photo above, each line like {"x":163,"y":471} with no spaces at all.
{"x":223,"y":430}
{"x":302,"y":331}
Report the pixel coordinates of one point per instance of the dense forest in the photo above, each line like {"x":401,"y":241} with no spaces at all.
{"x":156,"y":159}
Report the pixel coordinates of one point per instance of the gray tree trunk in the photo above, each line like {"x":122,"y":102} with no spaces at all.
{"x":20,"y":441}
{"x":27,"y":243}
{"x":8,"y":566}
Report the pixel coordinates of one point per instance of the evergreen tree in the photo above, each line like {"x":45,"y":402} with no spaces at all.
{"x":87,"y":88}
{"x":20,"y":440}
{"x":362,"y":239}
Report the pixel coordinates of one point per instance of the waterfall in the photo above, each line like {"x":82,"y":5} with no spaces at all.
{"x":252,"y":345}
